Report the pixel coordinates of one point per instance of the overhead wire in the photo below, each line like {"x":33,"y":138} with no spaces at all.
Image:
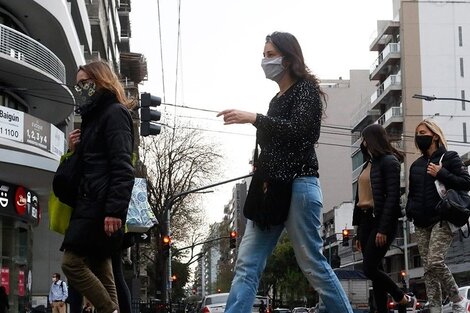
{"x":161,"y":51}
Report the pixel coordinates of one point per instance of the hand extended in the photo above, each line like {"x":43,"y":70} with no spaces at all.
{"x":233,"y":116}
{"x":74,"y":139}
{"x":111,"y":225}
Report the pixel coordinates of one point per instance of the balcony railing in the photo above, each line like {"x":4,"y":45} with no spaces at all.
{"x":390,"y":48}
{"x":392,"y":112}
{"x":23,"y":48}
{"x":392,"y":80}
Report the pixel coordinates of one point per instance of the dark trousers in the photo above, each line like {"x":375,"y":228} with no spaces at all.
{"x":75,"y":299}
{"x":123,"y":293}
{"x":372,"y":264}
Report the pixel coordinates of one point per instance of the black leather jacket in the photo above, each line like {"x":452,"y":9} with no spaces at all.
{"x":107,"y":177}
{"x":423,"y":196}
{"x":385,"y":183}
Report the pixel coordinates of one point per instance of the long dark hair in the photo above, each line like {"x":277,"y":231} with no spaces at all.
{"x":378,"y":142}
{"x":290,"y":49}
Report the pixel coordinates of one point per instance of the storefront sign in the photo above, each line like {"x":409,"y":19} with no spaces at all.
{"x":18,"y":126}
{"x":19,"y":202}
{"x":21,"y":285}
{"x":5,"y":278}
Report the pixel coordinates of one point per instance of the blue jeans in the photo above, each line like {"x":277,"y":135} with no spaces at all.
{"x":303,"y":227}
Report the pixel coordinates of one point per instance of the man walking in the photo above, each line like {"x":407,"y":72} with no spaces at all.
{"x":58,"y":294}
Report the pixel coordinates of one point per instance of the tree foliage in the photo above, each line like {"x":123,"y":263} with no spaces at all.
{"x":284,"y":277}
{"x":177,"y":160}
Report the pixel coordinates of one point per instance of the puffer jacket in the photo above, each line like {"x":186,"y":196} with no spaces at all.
{"x":385,"y":183}
{"x":107,"y":177}
{"x":422,"y":194}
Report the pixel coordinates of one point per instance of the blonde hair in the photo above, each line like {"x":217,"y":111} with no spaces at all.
{"x":104,"y":77}
{"x":435,"y":129}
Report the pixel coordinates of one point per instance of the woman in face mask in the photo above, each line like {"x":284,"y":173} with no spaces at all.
{"x":104,"y":145}
{"x":433,"y":236}
{"x":376,"y":211}
{"x":287,"y":135}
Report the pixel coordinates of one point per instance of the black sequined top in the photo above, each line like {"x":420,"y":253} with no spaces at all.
{"x":288,"y":133}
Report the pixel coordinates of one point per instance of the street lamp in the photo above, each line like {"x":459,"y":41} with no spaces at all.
{"x":432,"y":98}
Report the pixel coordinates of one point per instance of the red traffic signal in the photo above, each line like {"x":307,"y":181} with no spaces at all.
{"x":166,"y":240}
{"x":233,"y":239}
{"x":345,"y":237}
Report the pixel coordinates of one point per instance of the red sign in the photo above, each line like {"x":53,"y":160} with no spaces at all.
{"x":21,"y":292}
{"x":5,"y":277}
{"x":20,"y":200}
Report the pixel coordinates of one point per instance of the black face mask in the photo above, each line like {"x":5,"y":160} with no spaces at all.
{"x":423,"y":142}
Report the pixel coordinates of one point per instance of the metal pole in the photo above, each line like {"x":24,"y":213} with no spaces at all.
{"x":405,"y":252}
{"x":168,"y":206}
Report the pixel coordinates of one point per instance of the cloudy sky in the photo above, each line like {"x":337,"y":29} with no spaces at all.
{"x":220,"y":49}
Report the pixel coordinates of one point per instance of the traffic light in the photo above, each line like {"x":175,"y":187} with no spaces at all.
{"x":147,"y":115}
{"x":345,"y":237}
{"x":233,"y":239}
{"x":166,"y":245}
{"x":173,"y":277}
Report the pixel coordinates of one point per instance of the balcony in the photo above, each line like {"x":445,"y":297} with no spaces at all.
{"x":389,"y":57}
{"x":364,"y":116}
{"x":21,"y":48}
{"x":387,"y":29}
{"x":392,"y":115}
{"x":391,"y":84}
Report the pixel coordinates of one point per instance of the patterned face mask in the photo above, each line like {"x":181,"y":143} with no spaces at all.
{"x":86,"y":94}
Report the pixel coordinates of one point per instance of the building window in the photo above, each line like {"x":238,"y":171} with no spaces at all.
{"x":464,"y":129}
{"x":461,"y":67}
{"x":462,"y":96}
{"x":460,"y":37}
{"x":8,"y":101}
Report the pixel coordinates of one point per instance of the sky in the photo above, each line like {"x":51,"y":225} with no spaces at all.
{"x":219,"y":64}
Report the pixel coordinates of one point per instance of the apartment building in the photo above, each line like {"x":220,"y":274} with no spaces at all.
{"x":424,"y":50}
{"x":42,"y":43}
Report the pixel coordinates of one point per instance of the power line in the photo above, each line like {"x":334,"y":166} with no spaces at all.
{"x":161,"y":50}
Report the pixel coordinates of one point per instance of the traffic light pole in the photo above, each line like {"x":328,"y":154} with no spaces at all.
{"x":168,"y":205}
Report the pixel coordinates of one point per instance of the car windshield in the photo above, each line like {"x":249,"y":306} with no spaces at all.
{"x":258,"y":301}
{"x":217,"y":299}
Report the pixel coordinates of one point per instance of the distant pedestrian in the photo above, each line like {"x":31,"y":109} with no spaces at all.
{"x":105,"y":143}
{"x":287,"y":137}
{"x":376,"y":212}
{"x":433,"y":236}
{"x":262,"y":307}
{"x":58,"y":294}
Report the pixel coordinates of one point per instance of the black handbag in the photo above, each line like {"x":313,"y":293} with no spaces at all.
{"x":268,"y":201}
{"x":67,"y":178}
{"x":454,"y":207}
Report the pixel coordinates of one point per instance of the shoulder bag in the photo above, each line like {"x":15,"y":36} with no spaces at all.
{"x":454,"y":206}
{"x":268,"y":200}
{"x":67,"y":177}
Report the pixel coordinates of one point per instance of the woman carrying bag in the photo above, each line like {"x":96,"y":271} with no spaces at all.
{"x":434,"y":236}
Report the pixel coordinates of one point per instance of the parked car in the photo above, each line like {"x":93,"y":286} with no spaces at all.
{"x":465,"y":293}
{"x":300,"y":310}
{"x":281,"y":310}
{"x":214,"y":303}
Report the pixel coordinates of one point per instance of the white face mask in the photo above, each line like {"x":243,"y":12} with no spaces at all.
{"x":273,"y":68}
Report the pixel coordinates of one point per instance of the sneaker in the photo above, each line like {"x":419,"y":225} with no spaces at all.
{"x":459,"y":307}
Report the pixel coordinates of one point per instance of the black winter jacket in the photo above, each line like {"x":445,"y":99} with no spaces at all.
{"x":107,"y":177}
{"x":385,"y":183}
{"x":423,"y":196}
